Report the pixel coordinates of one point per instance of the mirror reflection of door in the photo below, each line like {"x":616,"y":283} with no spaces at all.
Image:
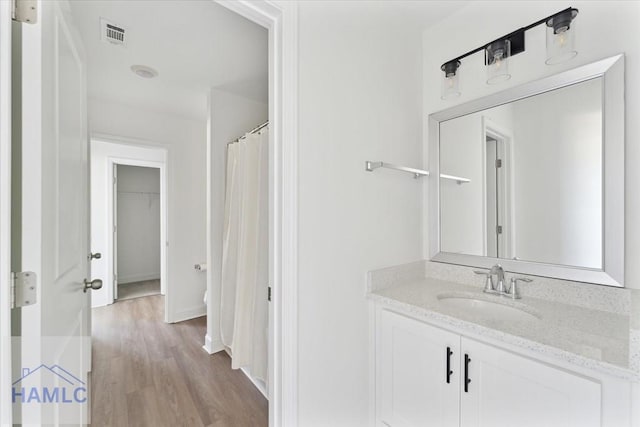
{"x":499,"y":230}
{"x":491,"y":191}
{"x":498,"y":185}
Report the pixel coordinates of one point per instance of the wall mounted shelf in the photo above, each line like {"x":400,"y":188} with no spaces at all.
{"x":370,"y":166}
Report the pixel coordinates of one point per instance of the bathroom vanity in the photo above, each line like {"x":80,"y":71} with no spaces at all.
{"x":543,"y":199}
{"x":447,"y":354}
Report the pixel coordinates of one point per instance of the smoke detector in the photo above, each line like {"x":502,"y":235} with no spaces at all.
{"x":144,"y":71}
{"x":112,"y":33}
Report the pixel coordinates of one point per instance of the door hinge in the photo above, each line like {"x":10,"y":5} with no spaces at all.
{"x":25,"y":11}
{"x":269,"y":293}
{"x":498,"y":163}
{"x":23,"y":288}
{"x":499,"y":229}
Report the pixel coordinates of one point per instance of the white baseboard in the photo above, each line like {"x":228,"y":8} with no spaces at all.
{"x":259,"y":384}
{"x":138,"y":278}
{"x":211,"y":346}
{"x":191,"y":313}
{"x":95,"y":304}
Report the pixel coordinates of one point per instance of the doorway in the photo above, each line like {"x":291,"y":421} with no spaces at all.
{"x":232,"y":109}
{"x":281,"y":22}
{"x":144,"y":189}
{"x":136,"y":232}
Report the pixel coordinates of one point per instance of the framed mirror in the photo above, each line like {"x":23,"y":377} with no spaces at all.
{"x":545,"y":168}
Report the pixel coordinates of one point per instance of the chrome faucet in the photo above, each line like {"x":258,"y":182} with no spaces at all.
{"x":498,"y":285}
{"x":498,"y":271}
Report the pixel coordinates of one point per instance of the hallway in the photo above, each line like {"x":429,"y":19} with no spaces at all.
{"x":149,"y":373}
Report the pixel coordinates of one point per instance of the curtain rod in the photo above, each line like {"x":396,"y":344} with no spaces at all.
{"x":254,"y":130}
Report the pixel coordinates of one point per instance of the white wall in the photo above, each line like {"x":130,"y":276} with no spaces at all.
{"x":230,"y":116}
{"x":557,"y":191}
{"x":359,"y":99}
{"x":185,"y":140}
{"x":604,"y":28}
{"x":138,"y":223}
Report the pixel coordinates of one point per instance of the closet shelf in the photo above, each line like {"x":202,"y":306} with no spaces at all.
{"x":370,"y":166}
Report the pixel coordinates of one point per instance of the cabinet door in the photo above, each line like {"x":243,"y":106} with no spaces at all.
{"x":412,"y":387}
{"x":507,"y":390}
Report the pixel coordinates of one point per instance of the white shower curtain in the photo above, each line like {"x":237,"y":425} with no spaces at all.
{"x":244,"y":307}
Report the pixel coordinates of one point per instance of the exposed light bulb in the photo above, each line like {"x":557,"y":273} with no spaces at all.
{"x":562,"y":39}
{"x":497,"y":60}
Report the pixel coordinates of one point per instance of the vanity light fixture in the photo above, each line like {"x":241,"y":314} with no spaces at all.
{"x":560,"y":48}
{"x":497,"y":60}
{"x":561,"y":37}
{"x":451,"y":81}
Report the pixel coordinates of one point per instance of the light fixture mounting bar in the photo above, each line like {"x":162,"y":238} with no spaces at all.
{"x":516,"y":37}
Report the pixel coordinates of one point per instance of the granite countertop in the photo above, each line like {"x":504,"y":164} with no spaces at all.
{"x":587,"y":337}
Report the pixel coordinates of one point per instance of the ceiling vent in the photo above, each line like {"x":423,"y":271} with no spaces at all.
{"x":111,"y":32}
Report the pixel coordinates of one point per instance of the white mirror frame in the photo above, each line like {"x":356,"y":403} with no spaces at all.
{"x":612,"y":274}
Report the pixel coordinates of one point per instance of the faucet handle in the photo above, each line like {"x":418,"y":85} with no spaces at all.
{"x":488,"y":284}
{"x":513,"y":287}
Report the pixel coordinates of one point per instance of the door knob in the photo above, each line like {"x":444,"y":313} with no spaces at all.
{"x":97,"y":255}
{"x":94,"y":284}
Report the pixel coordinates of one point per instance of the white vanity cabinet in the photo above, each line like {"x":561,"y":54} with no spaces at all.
{"x":508,"y":390}
{"x":412,"y":373}
{"x":505,"y":389}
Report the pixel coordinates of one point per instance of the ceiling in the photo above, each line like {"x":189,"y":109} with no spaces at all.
{"x":194,"y":45}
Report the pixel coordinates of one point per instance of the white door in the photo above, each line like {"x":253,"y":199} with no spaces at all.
{"x":6,"y":346}
{"x":507,"y":390}
{"x":419,"y":379}
{"x":54,"y":220}
{"x":497,"y":200}
{"x":115,"y":233}
{"x":492,"y":199}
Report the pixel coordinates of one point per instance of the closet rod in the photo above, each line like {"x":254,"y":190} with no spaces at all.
{"x":254,"y":130}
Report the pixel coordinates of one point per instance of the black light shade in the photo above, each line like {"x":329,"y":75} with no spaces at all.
{"x":450,"y":68}
{"x":561,"y":22}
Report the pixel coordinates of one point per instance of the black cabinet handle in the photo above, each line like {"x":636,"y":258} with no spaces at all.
{"x":449,"y":371}
{"x":467,"y":380}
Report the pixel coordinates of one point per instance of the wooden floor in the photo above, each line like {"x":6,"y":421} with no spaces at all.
{"x":149,"y":373}
{"x":138,"y":289}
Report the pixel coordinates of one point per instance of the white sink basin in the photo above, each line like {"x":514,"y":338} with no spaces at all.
{"x":496,"y":310}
